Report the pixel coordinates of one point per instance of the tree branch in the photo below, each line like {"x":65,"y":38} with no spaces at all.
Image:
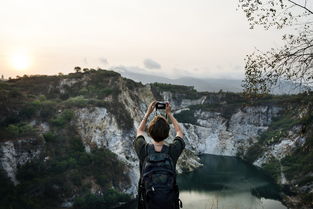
{"x":299,"y":5}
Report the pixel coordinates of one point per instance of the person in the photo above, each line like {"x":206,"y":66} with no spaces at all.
{"x":151,"y":192}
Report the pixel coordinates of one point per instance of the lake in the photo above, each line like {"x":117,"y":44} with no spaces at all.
{"x":226,"y":183}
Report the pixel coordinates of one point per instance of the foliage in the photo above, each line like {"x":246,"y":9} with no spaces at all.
{"x":63,"y":119}
{"x":68,"y":171}
{"x":21,"y":129}
{"x":188,"y":92}
{"x":293,"y":164}
{"x":186,"y":116}
{"x":273,"y":167}
{"x":107,"y":200}
{"x":77,"y":69}
{"x":254,"y":152}
{"x":37,"y":85}
{"x":291,"y":62}
{"x":279,"y":128}
{"x":78,"y":101}
{"x":122,"y":116}
{"x":50,"y":136}
{"x":98,"y":92}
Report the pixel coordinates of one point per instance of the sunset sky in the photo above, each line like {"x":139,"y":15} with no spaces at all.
{"x":174,"y":38}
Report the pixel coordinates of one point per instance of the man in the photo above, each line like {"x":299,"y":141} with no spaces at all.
{"x":157,"y":185}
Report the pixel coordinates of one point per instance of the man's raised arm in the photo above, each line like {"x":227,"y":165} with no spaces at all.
{"x":142,"y":126}
{"x":178,"y":129}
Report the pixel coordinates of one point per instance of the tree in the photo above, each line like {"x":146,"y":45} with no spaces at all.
{"x":294,"y":60}
{"x":77,"y":69}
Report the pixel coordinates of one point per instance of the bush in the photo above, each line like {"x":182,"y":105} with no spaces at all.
{"x":186,"y":116}
{"x":109,"y":199}
{"x":278,"y":128}
{"x":273,"y":167}
{"x":29,"y":109}
{"x":48,"y":109}
{"x":13,"y":130}
{"x":20,"y":129}
{"x":63,"y":119}
{"x":78,"y":101}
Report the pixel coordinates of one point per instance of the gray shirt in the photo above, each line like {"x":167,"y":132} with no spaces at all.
{"x":175,"y":148}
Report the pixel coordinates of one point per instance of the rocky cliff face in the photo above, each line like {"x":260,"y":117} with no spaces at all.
{"x":107,"y":116}
{"x":14,"y":154}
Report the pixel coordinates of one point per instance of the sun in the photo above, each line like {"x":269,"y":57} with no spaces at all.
{"x":20,"y":60}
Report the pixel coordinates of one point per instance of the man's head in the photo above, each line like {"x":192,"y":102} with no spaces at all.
{"x":159,"y":128}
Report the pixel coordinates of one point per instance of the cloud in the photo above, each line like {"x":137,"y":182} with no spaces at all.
{"x":151,"y":64}
{"x":124,"y":69}
{"x":104,"y":60}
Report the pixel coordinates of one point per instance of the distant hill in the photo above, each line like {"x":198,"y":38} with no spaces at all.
{"x":207,"y":84}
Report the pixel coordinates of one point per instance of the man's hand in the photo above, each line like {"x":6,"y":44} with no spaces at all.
{"x":168,"y":108}
{"x":151,"y":108}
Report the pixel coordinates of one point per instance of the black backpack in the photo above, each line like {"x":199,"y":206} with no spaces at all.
{"x":157,"y":188}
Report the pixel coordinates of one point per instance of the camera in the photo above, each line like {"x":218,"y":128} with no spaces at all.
{"x":160,"y":105}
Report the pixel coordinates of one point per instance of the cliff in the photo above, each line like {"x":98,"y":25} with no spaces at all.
{"x":68,"y":139}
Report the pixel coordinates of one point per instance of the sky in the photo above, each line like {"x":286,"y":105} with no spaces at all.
{"x":173,"y":38}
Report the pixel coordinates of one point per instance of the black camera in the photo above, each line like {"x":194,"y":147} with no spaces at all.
{"x":160,"y":105}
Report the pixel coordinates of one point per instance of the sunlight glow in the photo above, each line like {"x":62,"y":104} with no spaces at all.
{"x":20,"y":60}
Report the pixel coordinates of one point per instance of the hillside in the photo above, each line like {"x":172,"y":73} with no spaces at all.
{"x":67,"y":140}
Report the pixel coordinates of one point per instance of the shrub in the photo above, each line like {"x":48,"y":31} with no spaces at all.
{"x":186,"y":116}
{"x":273,"y":167}
{"x":48,"y":109}
{"x":13,"y":130}
{"x":78,"y":101}
{"x":29,"y":109}
{"x":108,"y":200}
{"x":20,"y":129}
{"x":63,"y":119}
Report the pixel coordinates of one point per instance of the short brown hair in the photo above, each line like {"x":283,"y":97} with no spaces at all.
{"x":159,"y":128}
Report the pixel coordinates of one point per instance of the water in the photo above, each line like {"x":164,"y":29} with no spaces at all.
{"x":226,"y":183}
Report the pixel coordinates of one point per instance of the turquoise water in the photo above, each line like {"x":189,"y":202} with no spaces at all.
{"x":226,"y":183}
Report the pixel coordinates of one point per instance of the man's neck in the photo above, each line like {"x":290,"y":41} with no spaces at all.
{"x":158,"y":143}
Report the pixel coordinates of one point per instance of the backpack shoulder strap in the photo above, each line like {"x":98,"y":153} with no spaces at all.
{"x":165,"y":149}
{"x":150,"y":149}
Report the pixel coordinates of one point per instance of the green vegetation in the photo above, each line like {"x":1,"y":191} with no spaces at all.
{"x":78,"y":101}
{"x":107,"y":200}
{"x":277,"y":130}
{"x":63,"y":119}
{"x":226,"y":103}
{"x":179,"y":91}
{"x":21,"y":129}
{"x":273,"y":167}
{"x":65,"y":169}
{"x":186,"y":116}
{"x":68,"y":171}
{"x":299,"y":163}
{"x":297,"y":166}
